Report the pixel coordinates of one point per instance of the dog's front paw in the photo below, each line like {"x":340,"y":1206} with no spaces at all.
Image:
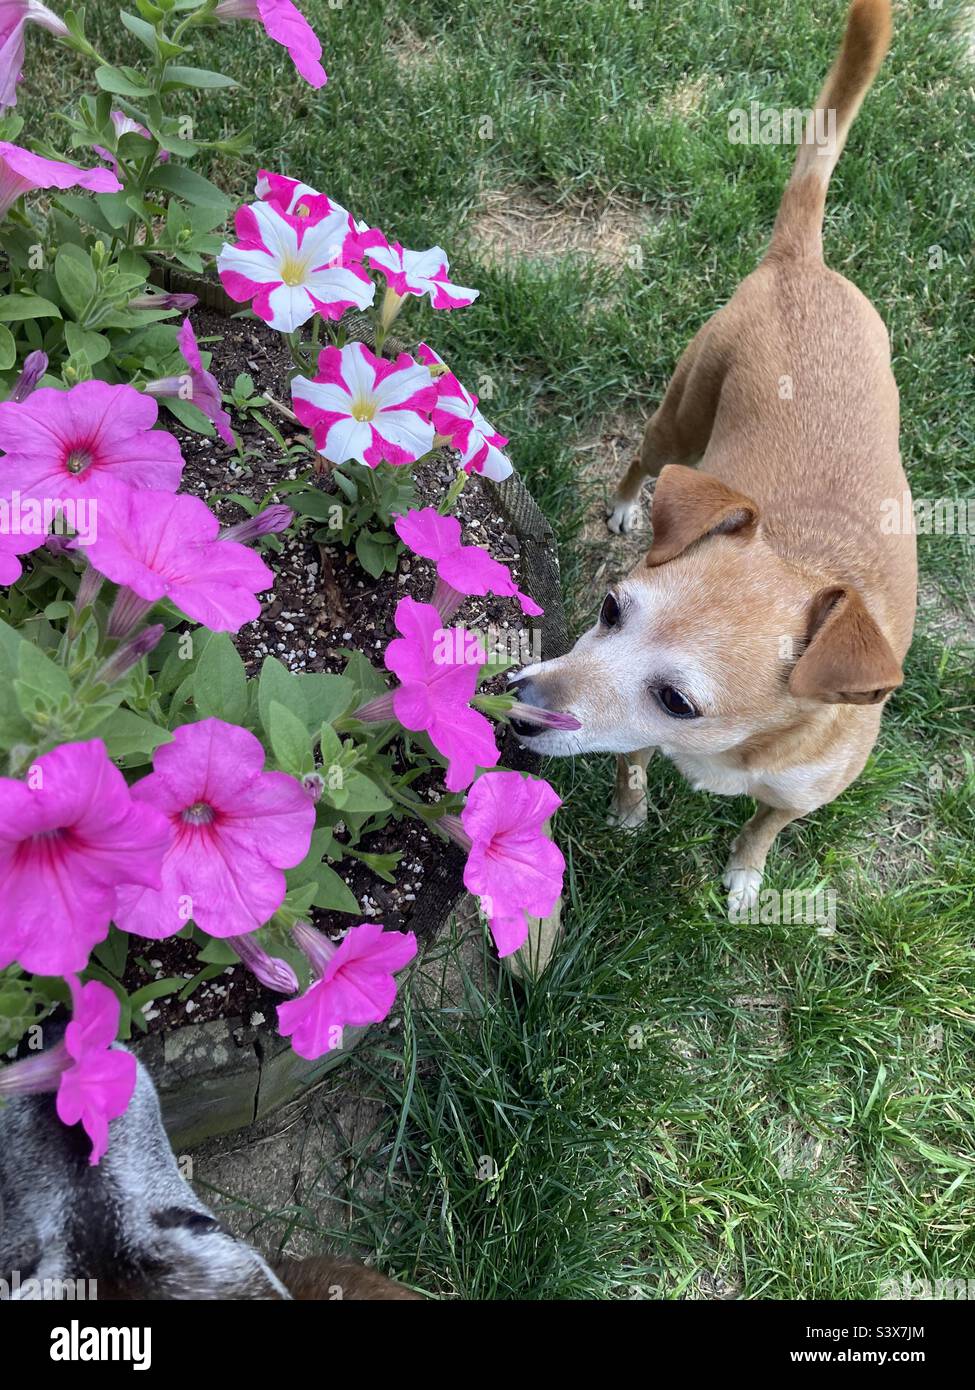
{"x":743,"y":887}
{"x":623,"y":517}
{"x":627,"y":817}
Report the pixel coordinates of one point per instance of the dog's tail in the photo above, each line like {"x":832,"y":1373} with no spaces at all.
{"x":799,"y":225}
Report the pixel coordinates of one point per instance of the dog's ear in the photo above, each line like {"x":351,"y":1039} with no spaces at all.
{"x":848,"y":659}
{"x":688,"y":505}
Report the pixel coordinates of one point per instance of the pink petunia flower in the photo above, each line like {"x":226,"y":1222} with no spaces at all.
{"x":286,"y":25}
{"x":70,"y":835}
{"x":162,"y":545}
{"x":14,"y":543}
{"x":198,"y":386}
{"x":98,"y":1086}
{"x":235,"y":828}
{"x":80,"y":445}
{"x":94,"y":1080}
{"x":365,"y":407}
{"x":355,"y":985}
{"x":21,"y":171}
{"x":125,"y":125}
{"x":15,"y":15}
{"x":293,"y":267}
{"x":420,"y":272}
{"x":512,"y":866}
{"x":461,"y":569}
{"x":438,"y":674}
{"x":459,"y":422}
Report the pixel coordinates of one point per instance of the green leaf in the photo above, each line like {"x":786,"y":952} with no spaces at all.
{"x":16,"y":308}
{"x":220,"y":684}
{"x":94,"y":347}
{"x":112,"y":80}
{"x":277,"y":683}
{"x":177,"y":76}
{"x":144,"y":32}
{"x":331,"y":893}
{"x":364,"y":677}
{"x":185,"y":183}
{"x":8,"y":348}
{"x":371,"y":555}
{"x":326,"y":696}
{"x":76,"y":278}
{"x":125,"y":732}
{"x":289,"y":740}
{"x":217,"y":952}
{"x":113,"y":952}
{"x":362,"y":795}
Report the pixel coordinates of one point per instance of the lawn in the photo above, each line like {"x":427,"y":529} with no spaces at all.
{"x":681,"y":1107}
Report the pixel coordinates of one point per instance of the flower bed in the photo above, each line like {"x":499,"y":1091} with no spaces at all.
{"x":191,"y":791}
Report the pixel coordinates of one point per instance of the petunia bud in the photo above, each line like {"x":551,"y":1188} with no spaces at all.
{"x":446,"y":599}
{"x":130,"y":653}
{"x":88,"y":589}
{"x":33,"y":1076}
{"x":314,"y":784}
{"x":35,"y":365}
{"x":127,"y":613}
{"x":276,"y":518}
{"x":273,"y":973}
{"x":378,"y":711}
{"x":392,"y":303}
{"x":163,"y":301}
{"x":453,"y":828}
{"x":503,"y":707}
{"x":315,"y":945}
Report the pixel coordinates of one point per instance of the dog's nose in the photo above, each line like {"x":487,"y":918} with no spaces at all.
{"x":524,"y":691}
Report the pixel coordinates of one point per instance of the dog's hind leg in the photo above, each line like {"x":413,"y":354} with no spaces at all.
{"x":680,"y":427}
{"x":628,"y":810}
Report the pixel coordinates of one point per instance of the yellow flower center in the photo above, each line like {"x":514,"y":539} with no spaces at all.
{"x":293,"y":272}
{"x":363,"y":410}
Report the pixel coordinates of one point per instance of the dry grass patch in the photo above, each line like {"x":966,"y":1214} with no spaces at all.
{"x":603,"y":455}
{"x":518,"y":224}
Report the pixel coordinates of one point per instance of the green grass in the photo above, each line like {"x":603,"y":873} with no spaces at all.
{"x":680,"y":1103}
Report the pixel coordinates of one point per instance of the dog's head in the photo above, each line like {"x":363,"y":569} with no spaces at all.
{"x":710,"y":641}
{"x":132,"y":1227}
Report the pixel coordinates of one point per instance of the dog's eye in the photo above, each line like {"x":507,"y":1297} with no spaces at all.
{"x":675,"y":704}
{"x":609,"y":614}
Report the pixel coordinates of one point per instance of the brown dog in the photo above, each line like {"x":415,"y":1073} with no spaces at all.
{"x":757,"y":644}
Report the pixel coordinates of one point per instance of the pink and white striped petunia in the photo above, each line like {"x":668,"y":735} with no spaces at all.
{"x":15,"y":15}
{"x":421,"y":272}
{"x":294,"y":267}
{"x":365,"y":407}
{"x":286,"y":25}
{"x":21,"y":171}
{"x":460,"y":424}
{"x":301,"y":200}
{"x":461,"y":569}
